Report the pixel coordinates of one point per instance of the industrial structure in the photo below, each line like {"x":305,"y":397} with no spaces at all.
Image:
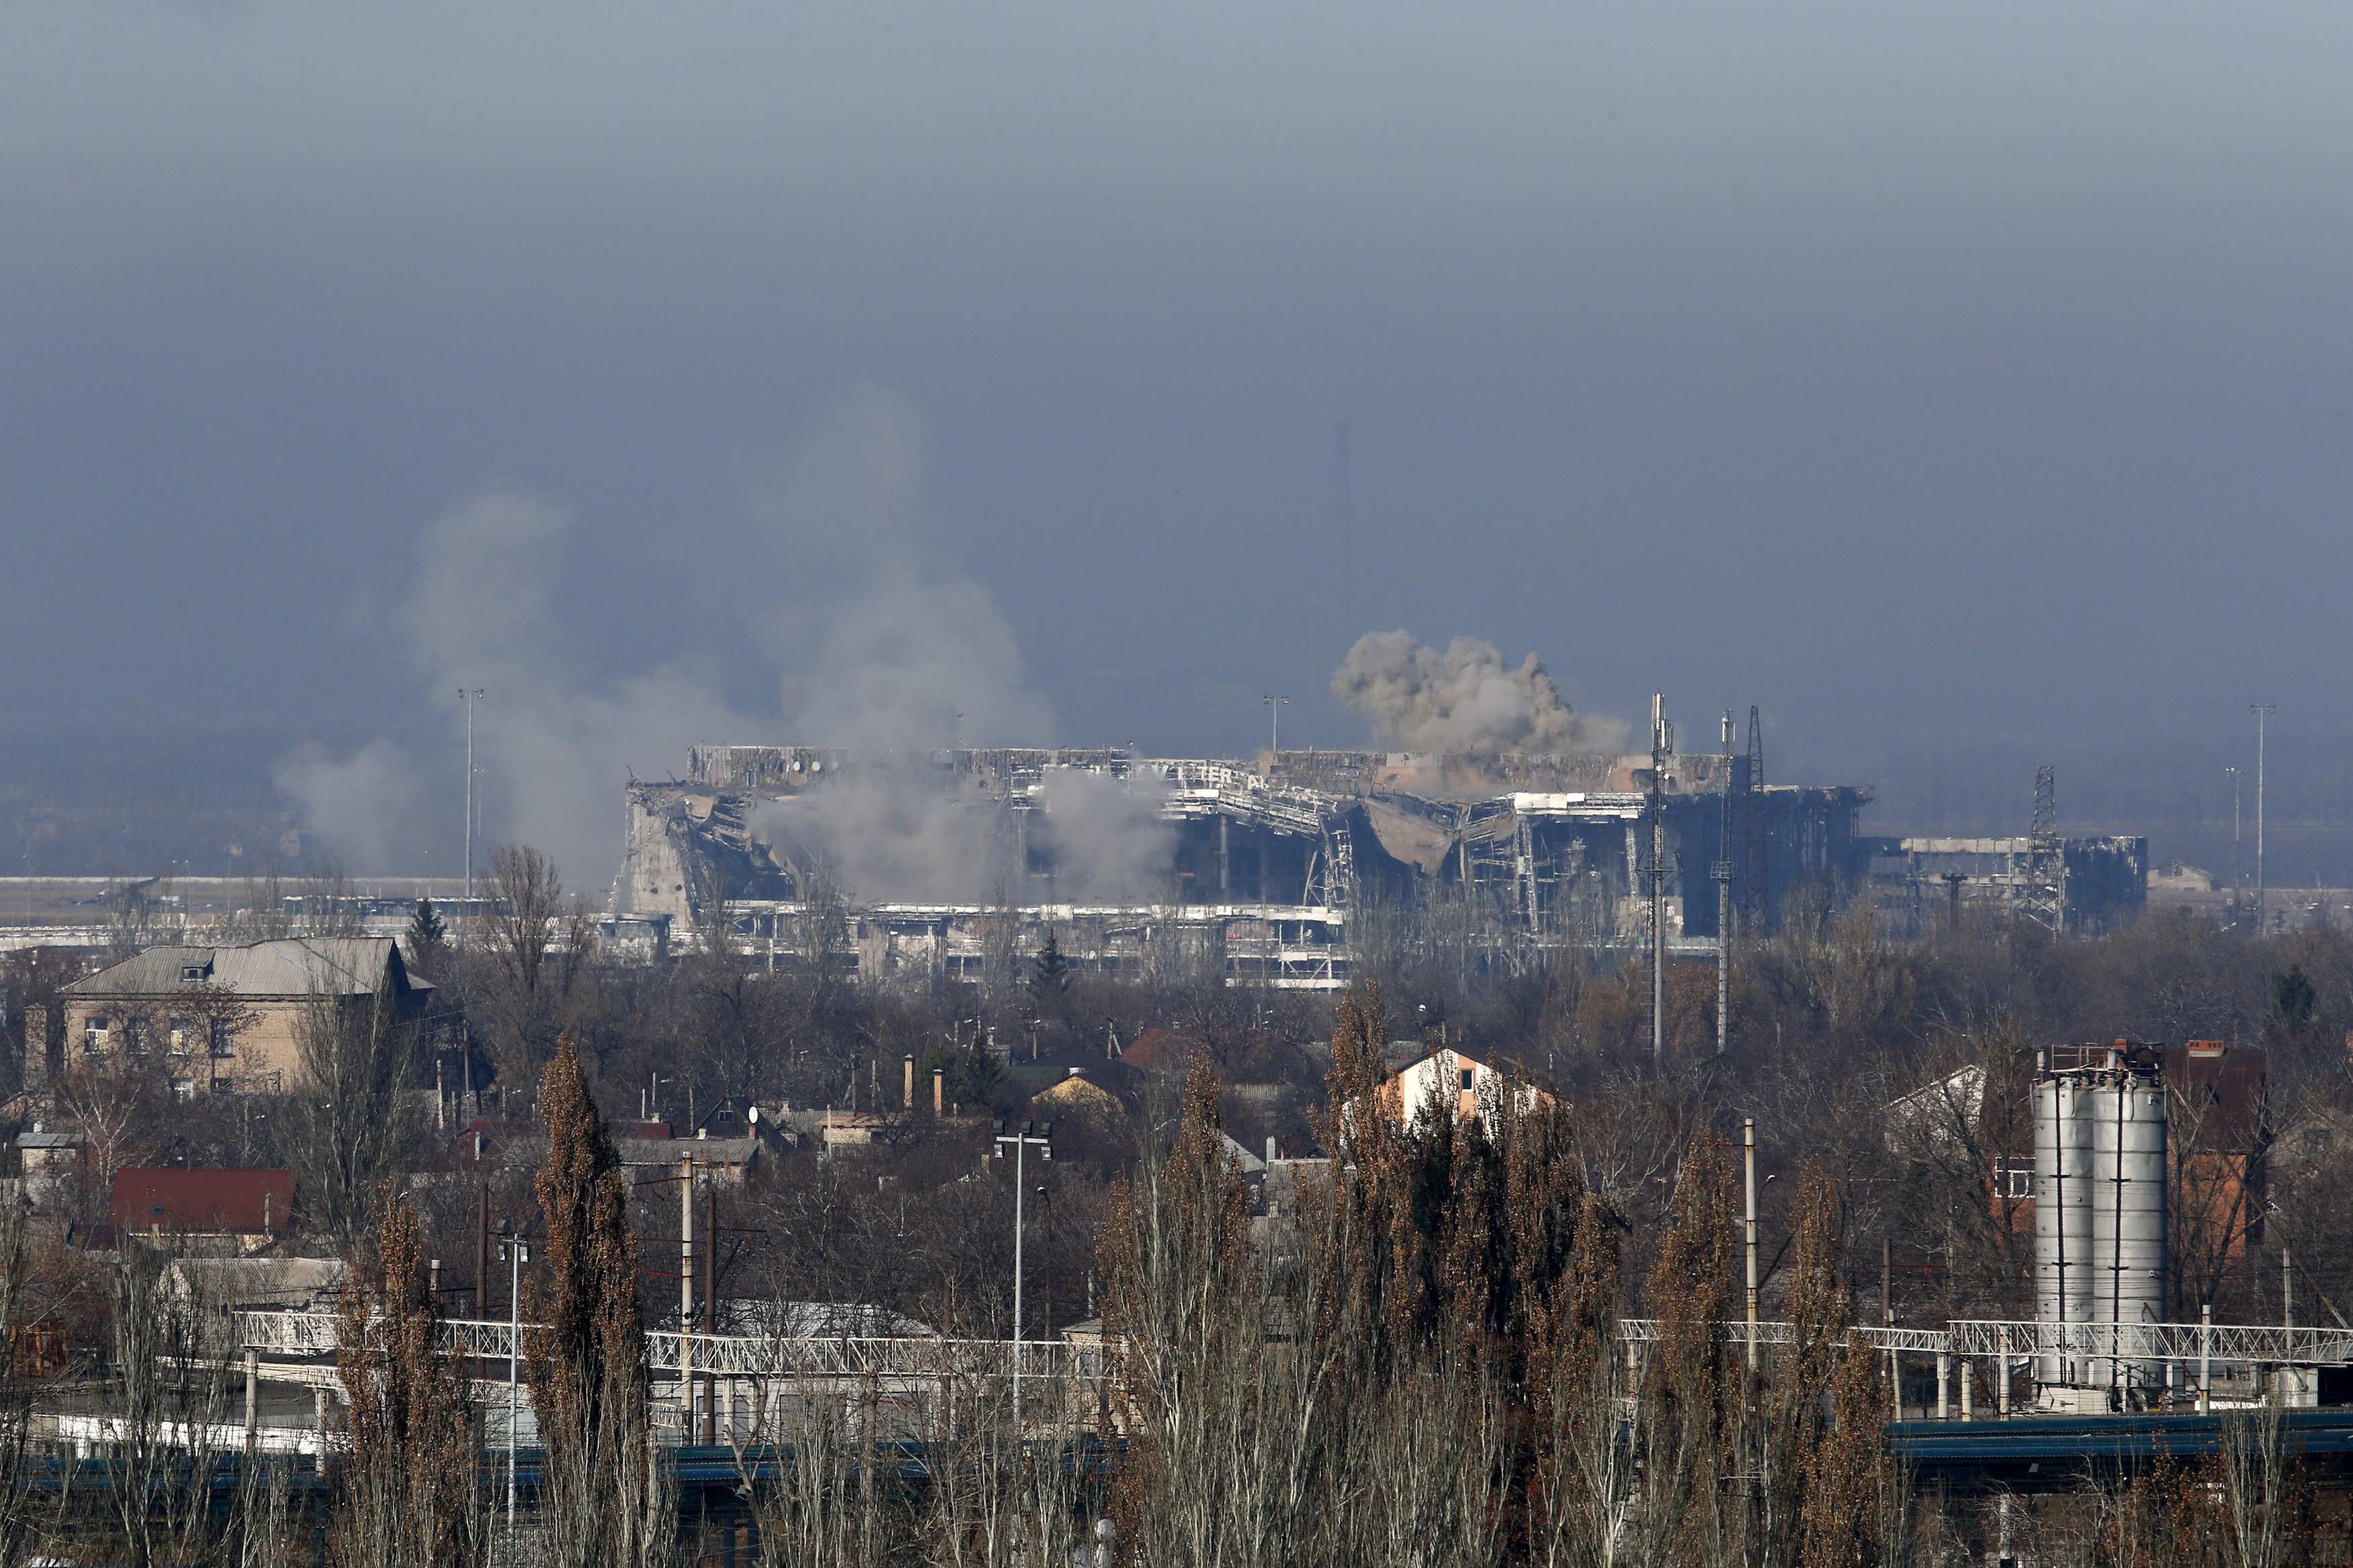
{"x":1276,"y":867}
{"x":1264,"y":864}
{"x":2100,"y":1232}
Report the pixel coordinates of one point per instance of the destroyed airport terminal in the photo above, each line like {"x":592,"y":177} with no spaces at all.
{"x":1263,"y":866}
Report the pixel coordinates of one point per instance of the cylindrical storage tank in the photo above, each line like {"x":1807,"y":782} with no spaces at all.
{"x":2128,"y":1241}
{"x":2063,"y":1213}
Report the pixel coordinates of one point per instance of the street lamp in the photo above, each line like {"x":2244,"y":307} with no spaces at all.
{"x":2233,"y":773}
{"x":516,"y":1250}
{"x":1040,"y":1134}
{"x":1274,"y":706}
{"x":2262,"y":711}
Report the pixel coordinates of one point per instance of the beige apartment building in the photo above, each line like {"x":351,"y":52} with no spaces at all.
{"x":226,"y":1019}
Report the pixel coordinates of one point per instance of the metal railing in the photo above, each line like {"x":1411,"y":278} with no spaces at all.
{"x":316,"y":1334}
{"x":2267,"y":1344}
{"x":725,"y":1355}
{"x":1884,"y":1337}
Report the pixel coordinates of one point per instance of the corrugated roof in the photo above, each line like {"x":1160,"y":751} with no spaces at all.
{"x":283,"y":966}
{"x":176,"y":1198}
{"x":671,"y":1150}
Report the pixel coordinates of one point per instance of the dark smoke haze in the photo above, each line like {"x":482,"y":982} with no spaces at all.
{"x":1966,"y":385}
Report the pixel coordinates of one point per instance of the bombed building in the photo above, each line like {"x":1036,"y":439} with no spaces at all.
{"x":1264,"y":862}
{"x":1264,"y":865}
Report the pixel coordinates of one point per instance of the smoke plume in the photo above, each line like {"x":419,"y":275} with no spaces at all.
{"x":1464,"y":699}
{"x":831,"y":571}
{"x":1110,"y":842}
{"x":895,"y":835}
{"x":361,"y":804}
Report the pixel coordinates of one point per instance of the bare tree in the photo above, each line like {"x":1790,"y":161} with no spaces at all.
{"x":352,"y":1117}
{"x":538,"y":952}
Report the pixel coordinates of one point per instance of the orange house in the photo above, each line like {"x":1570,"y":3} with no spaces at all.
{"x":1450,"y":1080}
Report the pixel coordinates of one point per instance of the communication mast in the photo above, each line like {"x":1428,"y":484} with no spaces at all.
{"x":2046,"y":872}
{"x":1756,"y":912}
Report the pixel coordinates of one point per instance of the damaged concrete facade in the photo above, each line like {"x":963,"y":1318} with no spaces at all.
{"x":2077,"y":885}
{"x":1268,"y":862}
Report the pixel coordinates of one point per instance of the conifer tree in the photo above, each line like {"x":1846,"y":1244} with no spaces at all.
{"x":427,"y":940}
{"x":408,"y":1495}
{"x":602,"y":1505}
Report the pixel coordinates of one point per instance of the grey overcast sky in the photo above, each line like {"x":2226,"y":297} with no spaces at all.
{"x":1926,"y":374}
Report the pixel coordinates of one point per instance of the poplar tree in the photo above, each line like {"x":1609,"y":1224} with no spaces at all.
{"x":602,"y":1505}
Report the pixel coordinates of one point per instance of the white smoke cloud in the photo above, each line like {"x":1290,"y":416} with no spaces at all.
{"x":361,"y":804}
{"x":899,"y":833}
{"x":1111,"y":843}
{"x":1464,"y":699}
{"x":553,"y":753}
{"x":834,"y":570}
{"x":899,"y":652}
{"x":895,"y":835}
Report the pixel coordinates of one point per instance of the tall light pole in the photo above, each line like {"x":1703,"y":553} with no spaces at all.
{"x":518,"y":1253}
{"x":2235,"y":872}
{"x":2262,"y":711}
{"x":1274,"y":706}
{"x":1663,"y":746}
{"x":469,"y":697}
{"x":1722,"y":871}
{"x":1028,"y":1133}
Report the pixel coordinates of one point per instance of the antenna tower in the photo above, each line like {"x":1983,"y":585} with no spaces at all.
{"x":1757,"y":904}
{"x":2045,"y":861}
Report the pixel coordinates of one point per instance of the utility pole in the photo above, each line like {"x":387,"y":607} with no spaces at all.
{"x":2262,"y":711}
{"x":518,"y":1253}
{"x":1662,"y":746}
{"x":1027,"y":1134}
{"x":1748,"y":1227}
{"x":482,"y":1253}
{"x":686,"y":1296}
{"x":1887,"y":1317}
{"x":711,"y":1307}
{"x":469,"y":698}
{"x":1274,"y":706}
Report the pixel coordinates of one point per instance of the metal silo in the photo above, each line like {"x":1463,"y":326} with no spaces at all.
{"x":2126,"y":1113}
{"x":2063,"y":1277}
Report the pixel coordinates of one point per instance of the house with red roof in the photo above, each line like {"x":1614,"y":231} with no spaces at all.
{"x":203,"y":1210}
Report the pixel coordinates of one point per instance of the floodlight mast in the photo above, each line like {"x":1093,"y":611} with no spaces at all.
{"x":1028,"y":1133}
{"x":2262,"y":711}
{"x":1663,"y":747}
{"x":469,"y":696}
{"x":1274,"y":706}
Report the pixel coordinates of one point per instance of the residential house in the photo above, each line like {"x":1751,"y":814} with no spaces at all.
{"x":1077,"y":1098}
{"x":723,"y":1160}
{"x":207,"y":1211}
{"x":50,"y":1163}
{"x":1448,"y":1079}
{"x":226,"y":1019}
